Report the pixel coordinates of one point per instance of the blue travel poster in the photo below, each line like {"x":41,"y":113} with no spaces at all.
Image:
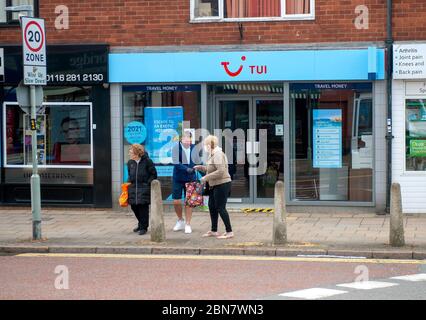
{"x":163,"y":126}
{"x":327,"y":138}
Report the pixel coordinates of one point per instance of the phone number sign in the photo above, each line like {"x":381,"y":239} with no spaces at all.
{"x":34,"y":51}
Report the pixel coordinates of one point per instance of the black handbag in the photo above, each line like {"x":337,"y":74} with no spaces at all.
{"x":206,"y":189}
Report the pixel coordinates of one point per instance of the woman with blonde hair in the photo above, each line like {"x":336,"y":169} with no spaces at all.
{"x":141,"y":172}
{"x":219,"y":180}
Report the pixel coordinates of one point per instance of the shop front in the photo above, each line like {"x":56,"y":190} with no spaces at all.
{"x":306,"y":117}
{"x":409,"y":125}
{"x":73,"y":129}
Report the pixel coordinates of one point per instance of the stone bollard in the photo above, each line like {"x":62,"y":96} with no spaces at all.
{"x":279,"y":234}
{"x":396,"y":235}
{"x":158,"y":231}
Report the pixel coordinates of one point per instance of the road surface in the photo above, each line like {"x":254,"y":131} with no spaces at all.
{"x":91,"y":276}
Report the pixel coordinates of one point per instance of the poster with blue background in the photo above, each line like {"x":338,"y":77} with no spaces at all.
{"x":163,"y":128}
{"x":159,"y":133}
{"x":327,"y":138}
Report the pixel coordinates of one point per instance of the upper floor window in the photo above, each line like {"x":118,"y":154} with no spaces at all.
{"x":13,"y":17}
{"x":251,"y":10}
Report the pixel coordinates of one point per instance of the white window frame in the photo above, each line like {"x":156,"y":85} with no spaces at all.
{"x":9,"y":21}
{"x":405,"y":171}
{"x":6,"y":165}
{"x":220,"y":18}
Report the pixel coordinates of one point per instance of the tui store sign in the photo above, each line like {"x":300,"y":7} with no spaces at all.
{"x":67,"y":64}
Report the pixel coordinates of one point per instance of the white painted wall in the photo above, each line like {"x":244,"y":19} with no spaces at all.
{"x":379,"y":91}
{"x":413,"y":184}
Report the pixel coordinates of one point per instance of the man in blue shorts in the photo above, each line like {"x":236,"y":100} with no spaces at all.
{"x":183,"y":172}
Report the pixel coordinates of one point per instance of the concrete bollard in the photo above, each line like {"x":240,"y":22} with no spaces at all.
{"x":396,"y":235}
{"x":158,"y":231}
{"x":279,"y":234}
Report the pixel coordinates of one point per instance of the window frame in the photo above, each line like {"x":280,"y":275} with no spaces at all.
{"x":288,"y":156}
{"x":221,"y":18}
{"x":15,"y":23}
{"x":49,"y":166}
{"x":407,"y":172}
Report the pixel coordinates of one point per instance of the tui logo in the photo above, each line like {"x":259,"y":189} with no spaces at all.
{"x":225,"y":65}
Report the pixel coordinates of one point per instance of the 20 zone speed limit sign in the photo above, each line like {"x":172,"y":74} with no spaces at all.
{"x":34,"y":51}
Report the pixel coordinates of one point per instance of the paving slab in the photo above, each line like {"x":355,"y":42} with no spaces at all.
{"x":108,"y":231}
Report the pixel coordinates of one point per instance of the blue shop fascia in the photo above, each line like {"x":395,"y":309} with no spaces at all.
{"x":323,"y":112}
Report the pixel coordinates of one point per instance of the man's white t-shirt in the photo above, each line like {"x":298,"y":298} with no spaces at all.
{"x":187,"y":154}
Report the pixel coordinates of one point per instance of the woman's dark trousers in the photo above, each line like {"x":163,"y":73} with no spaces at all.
{"x":217,"y":205}
{"x":141,"y":212}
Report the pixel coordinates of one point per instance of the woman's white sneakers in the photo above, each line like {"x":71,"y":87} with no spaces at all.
{"x":180,"y":225}
{"x":188,"y":229}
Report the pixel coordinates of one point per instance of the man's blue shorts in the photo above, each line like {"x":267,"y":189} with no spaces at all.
{"x":177,"y":189}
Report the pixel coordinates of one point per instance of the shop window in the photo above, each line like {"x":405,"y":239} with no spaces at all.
{"x":206,"y":8}
{"x":158,"y":108}
{"x":13,"y":17}
{"x":415,"y":117}
{"x":331,"y":142}
{"x":64,"y":135}
{"x":252,"y":9}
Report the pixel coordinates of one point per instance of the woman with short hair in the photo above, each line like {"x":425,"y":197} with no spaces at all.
{"x":141,"y":172}
{"x":219,"y":180}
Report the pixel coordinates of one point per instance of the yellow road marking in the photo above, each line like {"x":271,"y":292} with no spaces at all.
{"x":218,"y":257}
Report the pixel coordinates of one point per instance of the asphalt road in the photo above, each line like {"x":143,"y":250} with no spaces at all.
{"x":50,"y":276}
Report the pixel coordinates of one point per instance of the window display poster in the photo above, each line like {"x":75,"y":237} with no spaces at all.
{"x":418,"y":148}
{"x":163,"y":125}
{"x":327,"y":138}
{"x":135,"y":132}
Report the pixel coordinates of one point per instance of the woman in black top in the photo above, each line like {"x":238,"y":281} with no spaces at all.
{"x":141,"y":172}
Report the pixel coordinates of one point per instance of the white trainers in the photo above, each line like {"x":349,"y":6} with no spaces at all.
{"x":188,"y":229}
{"x":180,"y":225}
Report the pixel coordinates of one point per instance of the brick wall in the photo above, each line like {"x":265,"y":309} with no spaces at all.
{"x":409,"y":20}
{"x":166,"y":22}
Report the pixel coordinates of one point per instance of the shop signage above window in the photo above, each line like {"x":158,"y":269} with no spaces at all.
{"x":164,"y":88}
{"x":409,"y":61}
{"x":68,"y":65}
{"x":332,"y":86}
{"x":415,"y":88}
{"x":311,"y":65}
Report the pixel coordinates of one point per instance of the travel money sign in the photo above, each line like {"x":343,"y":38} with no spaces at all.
{"x":34,"y":51}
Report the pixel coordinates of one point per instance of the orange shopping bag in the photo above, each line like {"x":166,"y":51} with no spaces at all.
{"x":124,"y":196}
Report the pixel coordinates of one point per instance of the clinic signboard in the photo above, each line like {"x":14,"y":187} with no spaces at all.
{"x":409,"y":61}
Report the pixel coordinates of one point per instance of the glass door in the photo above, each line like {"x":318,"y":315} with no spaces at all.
{"x":234,"y":114}
{"x":254,"y":170}
{"x":269,"y":116}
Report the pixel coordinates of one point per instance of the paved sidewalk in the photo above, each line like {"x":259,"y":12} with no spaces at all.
{"x":88,"y":230}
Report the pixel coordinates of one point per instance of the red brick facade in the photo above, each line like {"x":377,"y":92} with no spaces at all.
{"x":167,"y":22}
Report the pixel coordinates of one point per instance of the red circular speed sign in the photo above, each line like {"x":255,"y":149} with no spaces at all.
{"x":33,"y":37}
